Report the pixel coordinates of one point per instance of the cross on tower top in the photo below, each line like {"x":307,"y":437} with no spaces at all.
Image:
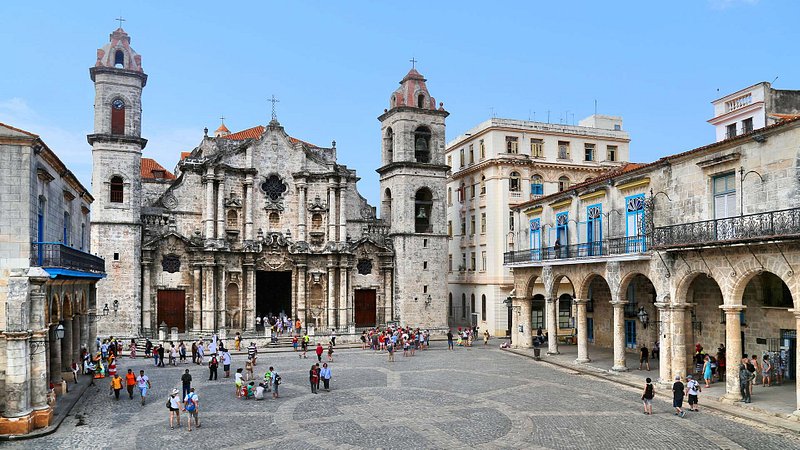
{"x":222,"y":119}
{"x":120,"y":19}
{"x":413,"y":62}
{"x":274,"y":100}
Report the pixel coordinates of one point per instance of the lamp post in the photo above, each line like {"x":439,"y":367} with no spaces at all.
{"x":643,"y":316}
{"x":60,"y":331}
{"x":116,"y":307}
{"x":105,"y":309}
{"x":508,"y":301}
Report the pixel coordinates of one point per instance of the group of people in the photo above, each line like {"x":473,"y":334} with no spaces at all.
{"x":394,"y":339}
{"x":279,"y":324}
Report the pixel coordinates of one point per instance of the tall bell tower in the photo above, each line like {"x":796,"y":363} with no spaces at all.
{"x":413,"y":185}
{"x":117,"y":184}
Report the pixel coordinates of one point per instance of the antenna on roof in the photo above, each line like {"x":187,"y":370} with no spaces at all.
{"x":595,"y":107}
{"x":773,"y":81}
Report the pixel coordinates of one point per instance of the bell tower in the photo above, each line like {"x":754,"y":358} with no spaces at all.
{"x":116,"y":182}
{"x":413,"y":185}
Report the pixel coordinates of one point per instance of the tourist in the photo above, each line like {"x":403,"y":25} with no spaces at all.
{"x":186,"y":382}
{"x":104,"y":349}
{"x":182,"y":352}
{"x":173,"y":355}
{"x":644,"y":357}
{"x":766,"y":367}
{"x":364,"y":340}
{"x":330,"y":352}
{"x":75,"y":367}
{"x":450,"y":339}
{"x":268,"y":379}
{"x":116,"y":385}
{"x":707,"y":374}
{"x":226,"y":363}
{"x":143,"y":383}
{"x":276,"y":381}
{"x":485,"y":337}
{"x":260,"y":391}
{"x":174,"y":405}
{"x":258,"y":322}
{"x":238,"y":381}
{"x":132,"y":348}
{"x":677,"y":396}
{"x":212,"y":347}
{"x":155,"y":355}
{"x":753,"y":369}
{"x":757,"y":364}
{"x":297,"y":326}
{"x":252,"y":352}
{"x":295,"y":342}
{"x":89,"y":367}
{"x":194,"y":352}
{"x":693,"y":389}
{"x":406,"y":345}
{"x":191,"y":406}
{"x":305,"y":345}
{"x":130,"y":382}
{"x":745,"y":377}
{"x":319,"y":351}
{"x":647,"y":396}
{"x":333,"y":337}
{"x":249,"y":390}
{"x":112,"y":367}
{"x":721,"y":366}
{"x":249,"y":372}
{"x":201,"y":353}
{"x":213,"y":364}
{"x":313,"y":378}
{"x":325,"y":374}
{"x":148,"y":348}
{"x":237,"y":341}
{"x":160,"y":355}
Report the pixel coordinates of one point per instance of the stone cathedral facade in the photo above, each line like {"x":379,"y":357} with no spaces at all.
{"x":258,"y":222}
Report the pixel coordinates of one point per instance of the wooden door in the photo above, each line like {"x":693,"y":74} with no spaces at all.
{"x":172,"y":308}
{"x":365,"y":307}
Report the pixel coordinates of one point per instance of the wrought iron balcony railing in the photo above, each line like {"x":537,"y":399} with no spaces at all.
{"x":781,"y":224}
{"x":595,"y":249}
{"x":58,"y":255}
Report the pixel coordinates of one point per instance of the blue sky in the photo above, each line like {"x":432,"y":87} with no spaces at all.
{"x":334,"y":64}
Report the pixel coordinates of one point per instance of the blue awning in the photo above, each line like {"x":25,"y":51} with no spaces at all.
{"x":56,"y":272}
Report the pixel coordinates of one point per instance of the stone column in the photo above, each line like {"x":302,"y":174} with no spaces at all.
{"x":248,"y":204}
{"x":92,"y":336}
{"x":552,"y":326}
{"x":331,"y":211}
{"x":66,"y":347}
{"x":619,"y":336}
{"x":221,"y":304}
{"x":208,"y":211}
{"x":42,"y":414}
{"x":302,"y":208}
{"x":733,"y":350}
{"x":583,"y":332}
{"x":197,"y":307}
{"x":220,"y":208}
{"x":76,"y":338}
{"x":85,"y":319}
{"x":17,"y":393}
{"x":207,"y":301}
{"x":55,"y":358}
{"x":331,"y":296}
{"x":344,"y":296}
{"x":521,"y":315}
{"x":248,"y":302}
{"x":342,"y":191}
{"x":147,"y":319}
{"x":797,"y":366}
{"x":300,"y":311}
{"x":678,"y":326}
{"x":665,"y":344}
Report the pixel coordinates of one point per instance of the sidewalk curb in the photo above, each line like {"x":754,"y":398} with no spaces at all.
{"x":764,"y":418}
{"x":57,"y":420}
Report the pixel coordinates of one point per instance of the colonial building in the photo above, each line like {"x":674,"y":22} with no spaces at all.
{"x":752,"y":108}
{"x":258,"y":222}
{"x":495,"y":166}
{"x":697,"y":247}
{"x":47,"y":278}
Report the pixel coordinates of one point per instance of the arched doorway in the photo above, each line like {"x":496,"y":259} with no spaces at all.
{"x":705,"y":320}
{"x":233,"y":305}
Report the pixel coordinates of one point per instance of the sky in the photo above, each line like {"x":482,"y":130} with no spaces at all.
{"x":334,"y":64}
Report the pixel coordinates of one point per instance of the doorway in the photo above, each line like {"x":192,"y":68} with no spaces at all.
{"x":273,"y":293}
{"x":365,"y":307}
{"x":172,"y":308}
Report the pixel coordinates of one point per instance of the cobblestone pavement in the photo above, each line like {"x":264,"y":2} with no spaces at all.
{"x":479,"y":397}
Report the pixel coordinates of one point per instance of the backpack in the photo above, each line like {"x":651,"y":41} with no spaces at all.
{"x":277,"y":379}
{"x":751,"y":368}
{"x":169,"y":404}
{"x":190,"y":404}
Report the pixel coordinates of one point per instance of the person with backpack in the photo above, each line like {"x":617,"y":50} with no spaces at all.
{"x":752,"y":368}
{"x":744,"y":379}
{"x":191,"y":404}
{"x":174,"y":406}
{"x":647,"y":397}
{"x":213,"y":364}
{"x":693,"y":389}
{"x":276,"y":381}
{"x":766,"y":369}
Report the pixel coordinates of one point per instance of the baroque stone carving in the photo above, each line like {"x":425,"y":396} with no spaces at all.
{"x":169,"y":201}
{"x":317,"y":205}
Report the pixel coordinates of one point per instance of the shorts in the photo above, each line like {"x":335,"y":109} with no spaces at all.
{"x":192,"y":413}
{"x":143,"y":391}
{"x":647,"y":401}
{"x":238,"y":384}
{"x":226,"y":367}
{"x":677,"y":402}
{"x":174,"y":410}
{"x":642,"y":360}
{"x":692,"y":399}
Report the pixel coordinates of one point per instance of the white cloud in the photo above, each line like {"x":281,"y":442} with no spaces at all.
{"x":725,"y":4}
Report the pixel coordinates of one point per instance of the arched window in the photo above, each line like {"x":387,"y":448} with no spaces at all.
{"x":388,"y":144}
{"x":233,"y":219}
{"x":422,"y":145}
{"x":316,"y":221}
{"x":118,"y":117}
{"x":563,"y":184}
{"x":450,"y":304}
{"x":117,"y":187}
{"x":472,"y":303}
{"x":421,"y":101}
{"x":513,"y":182}
{"x":119,"y":59}
{"x":274,"y":220}
{"x":537,"y":185}
{"x":387,"y":205}
{"x":483,"y":307}
{"x":463,"y":306}
{"x":423,"y":203}
{"x":483,"y":184}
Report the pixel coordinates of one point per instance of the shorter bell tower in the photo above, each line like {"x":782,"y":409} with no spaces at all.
{"x":413,"y":181}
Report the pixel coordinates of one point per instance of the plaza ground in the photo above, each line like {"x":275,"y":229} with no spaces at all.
{"x":478,"y":397}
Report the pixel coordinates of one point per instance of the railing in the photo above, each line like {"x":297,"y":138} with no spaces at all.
{"x":773,"y":224}
{"x":607,"y":247}
{"x":630,"y":310}
{"x":56,"y":254}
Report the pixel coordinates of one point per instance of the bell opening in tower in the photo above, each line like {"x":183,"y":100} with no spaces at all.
{"x":273,"y":293}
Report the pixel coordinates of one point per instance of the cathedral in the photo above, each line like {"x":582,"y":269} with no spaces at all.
{"x":259,"y":222}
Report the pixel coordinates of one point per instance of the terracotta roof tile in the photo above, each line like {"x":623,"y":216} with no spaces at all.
{"x":256,"y":132}
{"x":149,"y":166}
{"x":184,"y":155}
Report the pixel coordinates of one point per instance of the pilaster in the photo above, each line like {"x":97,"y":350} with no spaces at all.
{"x":665,"y":344}
{"x":619,"y":337}
{"x":733,"y":350}
{"x":678,"y":328}
{"x":552,"y":326}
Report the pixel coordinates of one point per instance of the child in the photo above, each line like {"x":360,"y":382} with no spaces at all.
{"x":692,"y":388}
{"x":330,"y":352}
{"x":647,"y":397}
{"x":238,"y":382}
{"x":248,"y":367}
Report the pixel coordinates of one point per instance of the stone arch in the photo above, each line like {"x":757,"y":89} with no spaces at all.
{"x":54,"y":310}
{"x":67,"y":307}
{"x":682,"y":287}
{"x":582,"y":290}
{"x":740,"y":283}
{"x":529,"y":286}
{"x":557,"y":282}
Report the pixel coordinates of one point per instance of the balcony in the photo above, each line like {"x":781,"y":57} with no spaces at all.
{"x":59,"y":256}
{"x":588,"y":250}
{"x":772,"y":225}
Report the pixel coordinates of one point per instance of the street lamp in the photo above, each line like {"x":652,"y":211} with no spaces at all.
{"x":60,"y":331}
{"x":508,"y":301}
{"x":116,"y":306}
{"x":643,"y":317}
{"x":105,"y":309}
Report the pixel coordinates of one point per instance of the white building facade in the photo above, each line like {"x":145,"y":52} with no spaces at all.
{"x":753,"y":108}
{"x":495,"y":166}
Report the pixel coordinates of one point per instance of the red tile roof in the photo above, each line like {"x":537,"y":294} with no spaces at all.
{"x":150,"y":165}
{"x":184,"y":155}
{"x":256,"y":132}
